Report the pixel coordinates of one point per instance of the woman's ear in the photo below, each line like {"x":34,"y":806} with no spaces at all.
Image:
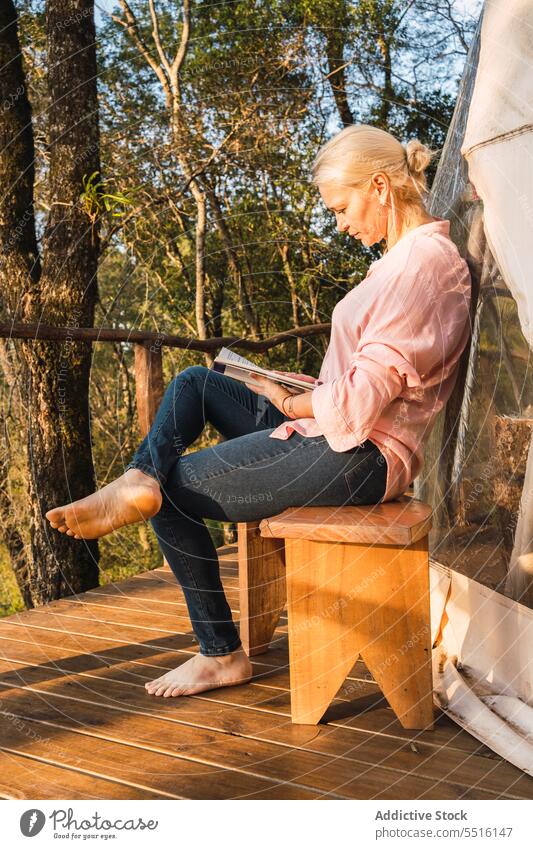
{"x":377,"y":185}
{"x":381,"y":185}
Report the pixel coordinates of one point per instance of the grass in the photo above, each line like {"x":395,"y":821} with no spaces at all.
{"x":10,"y":598}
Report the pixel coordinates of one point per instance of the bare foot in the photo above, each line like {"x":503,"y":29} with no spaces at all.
{"x":133,"y":497}
{"x":202,"y":673}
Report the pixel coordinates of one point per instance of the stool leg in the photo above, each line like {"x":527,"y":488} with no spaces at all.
{"x":261,"y":586}
{"x":322,"y":646}
{"x":400,"y":660}
{"x":346,"y":600}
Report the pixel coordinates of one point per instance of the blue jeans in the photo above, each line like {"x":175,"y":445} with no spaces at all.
{"x":247,"y":477}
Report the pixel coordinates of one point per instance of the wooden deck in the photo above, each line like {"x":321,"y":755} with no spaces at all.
{"x":77,"y":722}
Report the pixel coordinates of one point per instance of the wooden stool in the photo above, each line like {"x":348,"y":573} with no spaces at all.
{"x":357,"y":584}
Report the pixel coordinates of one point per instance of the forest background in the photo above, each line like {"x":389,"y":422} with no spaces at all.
{"x":162,"y":182}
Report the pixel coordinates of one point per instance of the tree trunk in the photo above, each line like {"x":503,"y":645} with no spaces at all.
{"x":284,"y":253}
{"x":61,"y":291}
{"x":388,"y":95}
{"x":501,"y":339}
{"x":337,"y":73}
{"x":19,"y":268}
{"x":233,"y":262}
{"x":19,"y":259}
{"x":510,"y":438}
{"x":333,"y":20}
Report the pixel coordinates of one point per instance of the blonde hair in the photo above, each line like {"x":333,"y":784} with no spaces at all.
{"x":359,"y":151}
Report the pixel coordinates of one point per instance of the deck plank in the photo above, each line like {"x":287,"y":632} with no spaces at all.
{"x":124,"y":688}
{"x":252,"y":757}
{"x":29,"y":778}
{"x":75,"y":671}
{"x":352,"y":777}
{"x":361,"y":713}
{"x":169,"y":775}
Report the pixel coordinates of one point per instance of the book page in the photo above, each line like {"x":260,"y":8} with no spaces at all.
{"x":230,"y":357}
{"x":234,"y":362}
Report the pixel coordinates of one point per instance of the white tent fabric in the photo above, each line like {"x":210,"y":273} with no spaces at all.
{"x":483,"y":663}
{"x":498,"y":144}
{"x":498,"y":147}
{"x":501,"y":103}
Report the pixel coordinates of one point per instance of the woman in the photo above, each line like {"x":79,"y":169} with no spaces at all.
{"x":354,"y":438}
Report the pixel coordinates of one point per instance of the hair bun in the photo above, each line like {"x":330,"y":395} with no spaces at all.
{"x":418,"y":156}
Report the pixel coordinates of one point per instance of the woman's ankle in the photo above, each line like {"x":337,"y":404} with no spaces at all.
{"x":139,"y":477}
{"x":230,"y":657}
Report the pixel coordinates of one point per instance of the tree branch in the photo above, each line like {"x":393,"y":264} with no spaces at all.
{"x":157,"y":39}
{"x":184,"y":43}
{"x":132,"y":27}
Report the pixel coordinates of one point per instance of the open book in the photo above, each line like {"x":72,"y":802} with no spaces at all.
{"x":232,"y":365}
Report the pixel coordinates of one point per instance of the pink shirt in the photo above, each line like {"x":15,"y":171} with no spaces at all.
{"x":393,"y":355}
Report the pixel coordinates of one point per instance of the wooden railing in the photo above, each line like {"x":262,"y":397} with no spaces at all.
{"x":148,"y":347}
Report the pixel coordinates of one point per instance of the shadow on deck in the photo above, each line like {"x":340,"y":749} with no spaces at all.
{"x":77,"y":723}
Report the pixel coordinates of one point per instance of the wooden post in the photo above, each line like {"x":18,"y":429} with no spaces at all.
{"x":149,"y":386}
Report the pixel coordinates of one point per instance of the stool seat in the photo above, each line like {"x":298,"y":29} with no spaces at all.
{"x":399,"y":522}
{"x":356,"y":580}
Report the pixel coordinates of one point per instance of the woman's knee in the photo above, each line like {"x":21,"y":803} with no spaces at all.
{"x":193,"y":374}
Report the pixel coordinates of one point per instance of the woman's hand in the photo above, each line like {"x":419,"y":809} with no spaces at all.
{"x":305,"y":377}
{"x":272,"y":390}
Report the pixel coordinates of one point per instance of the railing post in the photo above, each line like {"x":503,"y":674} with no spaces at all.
{"x":149,"y":386}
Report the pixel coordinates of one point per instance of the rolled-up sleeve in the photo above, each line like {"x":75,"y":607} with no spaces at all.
{"x":347,"y":407}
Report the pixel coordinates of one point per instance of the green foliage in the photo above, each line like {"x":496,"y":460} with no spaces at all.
{"x":10,"y":598}
{"x":97,"y":200}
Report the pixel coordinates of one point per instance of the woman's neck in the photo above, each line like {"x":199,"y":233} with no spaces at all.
{"x":416,"y":221}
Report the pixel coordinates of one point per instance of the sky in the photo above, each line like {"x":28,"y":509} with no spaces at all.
{"x":104,"y":8}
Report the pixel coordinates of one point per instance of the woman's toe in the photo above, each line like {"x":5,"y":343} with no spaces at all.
{"x":56,"y":514}
{"x":69,"y":532}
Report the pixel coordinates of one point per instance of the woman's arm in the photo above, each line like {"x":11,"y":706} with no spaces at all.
{"x":302,"y":407}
